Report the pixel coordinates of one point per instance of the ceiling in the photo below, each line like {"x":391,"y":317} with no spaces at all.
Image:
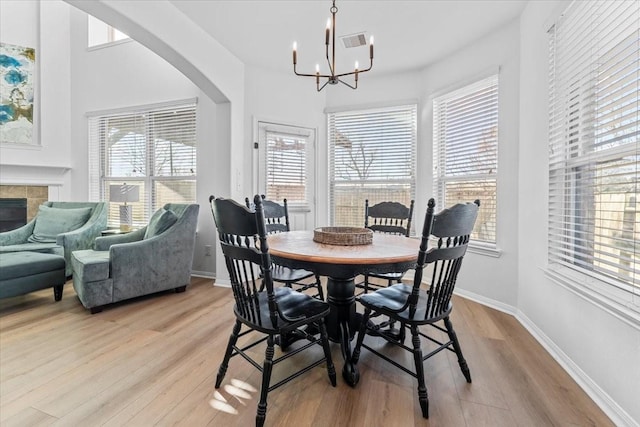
{"x":408,"y":34}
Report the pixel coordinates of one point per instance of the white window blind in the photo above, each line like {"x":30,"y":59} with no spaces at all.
{"x":154,"y":149}
{"x":465,"y":151}
{"x":286,"y":165}
{"x":593,"y":144}
{"x":372,"y":155}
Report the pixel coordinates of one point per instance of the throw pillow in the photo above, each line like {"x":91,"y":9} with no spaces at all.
{"x":53,"y":221}
{"x":161,"y":220}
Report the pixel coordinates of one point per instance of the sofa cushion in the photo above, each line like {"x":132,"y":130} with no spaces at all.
{"x":161,"y":220}
{"x":89,"y":265}
{"x":21,"y":264}
{"x":53,"y":221}
{"x":52,"y":248}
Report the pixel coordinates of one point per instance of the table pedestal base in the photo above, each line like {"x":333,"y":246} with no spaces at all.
{"x":343,"y":322}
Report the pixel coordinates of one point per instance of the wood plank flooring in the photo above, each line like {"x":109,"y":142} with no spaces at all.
{"x":152,"y":361}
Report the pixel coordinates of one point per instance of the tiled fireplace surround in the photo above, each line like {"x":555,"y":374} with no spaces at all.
{"x":37,"y":184}
{"x":35,"y":195}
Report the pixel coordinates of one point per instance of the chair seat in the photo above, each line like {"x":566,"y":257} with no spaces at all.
{"x":297,"y":307}
{"x":391,"y":299}
{"x":288,"y":275}
{"x":387,"y":276}
{"x":90,"y":265}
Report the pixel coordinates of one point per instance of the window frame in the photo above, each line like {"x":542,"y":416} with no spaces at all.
{"x":574,"y":125}
{"x":99,"y":181}
{"x":440,"y":179}
{"x":409,"y":108}
{"x":264,"y":129}
{"x":109,"y":34}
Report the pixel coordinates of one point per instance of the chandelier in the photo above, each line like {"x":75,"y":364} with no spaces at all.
{"x":333,"y":78}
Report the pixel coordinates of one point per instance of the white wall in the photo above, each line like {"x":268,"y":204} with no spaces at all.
{"x":44,"y":26}
{"x":128,"y":75}
{"x":484,"y":276}
{"x":491,"y":279}
{"x":286,"y":99}
{"x":376,"y":91}
{"x":597,"y":347}
{"x":602,"y":349}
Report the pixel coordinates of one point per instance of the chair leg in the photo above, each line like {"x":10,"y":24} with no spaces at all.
{"x":227,"y":355}
{"x":403,"y":333}
{"x":366,"y":283}
{"x":319,"y":286}
{"x":331,"y":370}
{"x":423,"y":396}
{"x":361,"y":333}
{"x":266,"y":378}
{"x":456,"y":346}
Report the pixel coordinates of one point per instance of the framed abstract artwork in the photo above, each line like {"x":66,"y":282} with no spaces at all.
{"x":17,"y":81}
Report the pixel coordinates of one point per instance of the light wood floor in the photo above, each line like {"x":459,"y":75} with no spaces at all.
{"x":153,"y":361}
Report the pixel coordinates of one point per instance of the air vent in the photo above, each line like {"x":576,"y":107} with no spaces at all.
{"x":354,"y":40}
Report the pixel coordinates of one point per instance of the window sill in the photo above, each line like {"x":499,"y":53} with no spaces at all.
{"x":484,"y":249}
{"x":614,"y":301}
{"x":108,"y":44}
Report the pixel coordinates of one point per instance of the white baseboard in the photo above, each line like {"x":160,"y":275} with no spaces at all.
{"x":223,"y":283}
{"x":209,"y":275}
{"x":204,"y":274}
{"x":500,"y":306}
{"x":609,"y":406}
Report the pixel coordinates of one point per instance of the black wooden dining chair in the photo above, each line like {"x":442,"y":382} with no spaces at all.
{"x":276,"y":218}
{"x":390,"y":218}
{"x":445,"y":237}
{"x":271,"y":312}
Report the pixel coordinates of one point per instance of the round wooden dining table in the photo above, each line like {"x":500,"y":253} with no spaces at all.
{"x":341,"y":264}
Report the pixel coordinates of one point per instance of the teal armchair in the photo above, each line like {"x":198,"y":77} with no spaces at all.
{"x":155,"y":258}
{"x":55,"y":231}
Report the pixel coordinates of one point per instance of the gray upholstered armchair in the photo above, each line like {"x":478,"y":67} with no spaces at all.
{"x":155,"y":258}
{"x":58,"y":228}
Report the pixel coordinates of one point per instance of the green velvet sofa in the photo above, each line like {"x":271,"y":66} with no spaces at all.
{"x":155,"y":258}
{"x":59,"y":228}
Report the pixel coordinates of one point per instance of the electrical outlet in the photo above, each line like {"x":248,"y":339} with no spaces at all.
{"x":207,"y":250}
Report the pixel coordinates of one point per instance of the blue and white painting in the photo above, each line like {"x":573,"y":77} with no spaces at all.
{"x":17,"y":64}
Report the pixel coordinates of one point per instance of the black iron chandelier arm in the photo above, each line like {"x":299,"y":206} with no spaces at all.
{"x":347,"y":84}
{"x":308,"y":75}
{"x":353,"y":72}
{"x":330,"y":40}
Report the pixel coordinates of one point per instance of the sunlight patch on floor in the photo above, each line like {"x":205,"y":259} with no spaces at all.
{"x":240,"y":390}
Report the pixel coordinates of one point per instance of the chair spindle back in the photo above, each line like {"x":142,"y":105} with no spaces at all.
{"x":388,"y":217}
{"x":276,"y":216}
{"x":445,"y":238}
{"x":242,"y":236}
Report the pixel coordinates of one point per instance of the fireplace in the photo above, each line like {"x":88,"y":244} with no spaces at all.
{"x":13,"y":213}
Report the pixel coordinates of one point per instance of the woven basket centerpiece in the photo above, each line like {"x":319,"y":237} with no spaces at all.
{"x":343,"y":236}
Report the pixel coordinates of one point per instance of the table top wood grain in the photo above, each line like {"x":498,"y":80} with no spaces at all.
{"x":385,"y":249}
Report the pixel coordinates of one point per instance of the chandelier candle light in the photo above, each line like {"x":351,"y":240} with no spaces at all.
{"x":333,"y":78}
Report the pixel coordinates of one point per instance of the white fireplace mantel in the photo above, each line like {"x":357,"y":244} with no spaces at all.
{"x":32,"y":175}
{"x":53,"y":177}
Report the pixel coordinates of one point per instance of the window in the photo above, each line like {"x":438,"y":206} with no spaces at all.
{"x":465,"y":152}
{"x":594,"y":149}
{"x":152,"y":148}
{"x":100,"y":33}
{"x":372,"y":155}
{"x":285,"y":169}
